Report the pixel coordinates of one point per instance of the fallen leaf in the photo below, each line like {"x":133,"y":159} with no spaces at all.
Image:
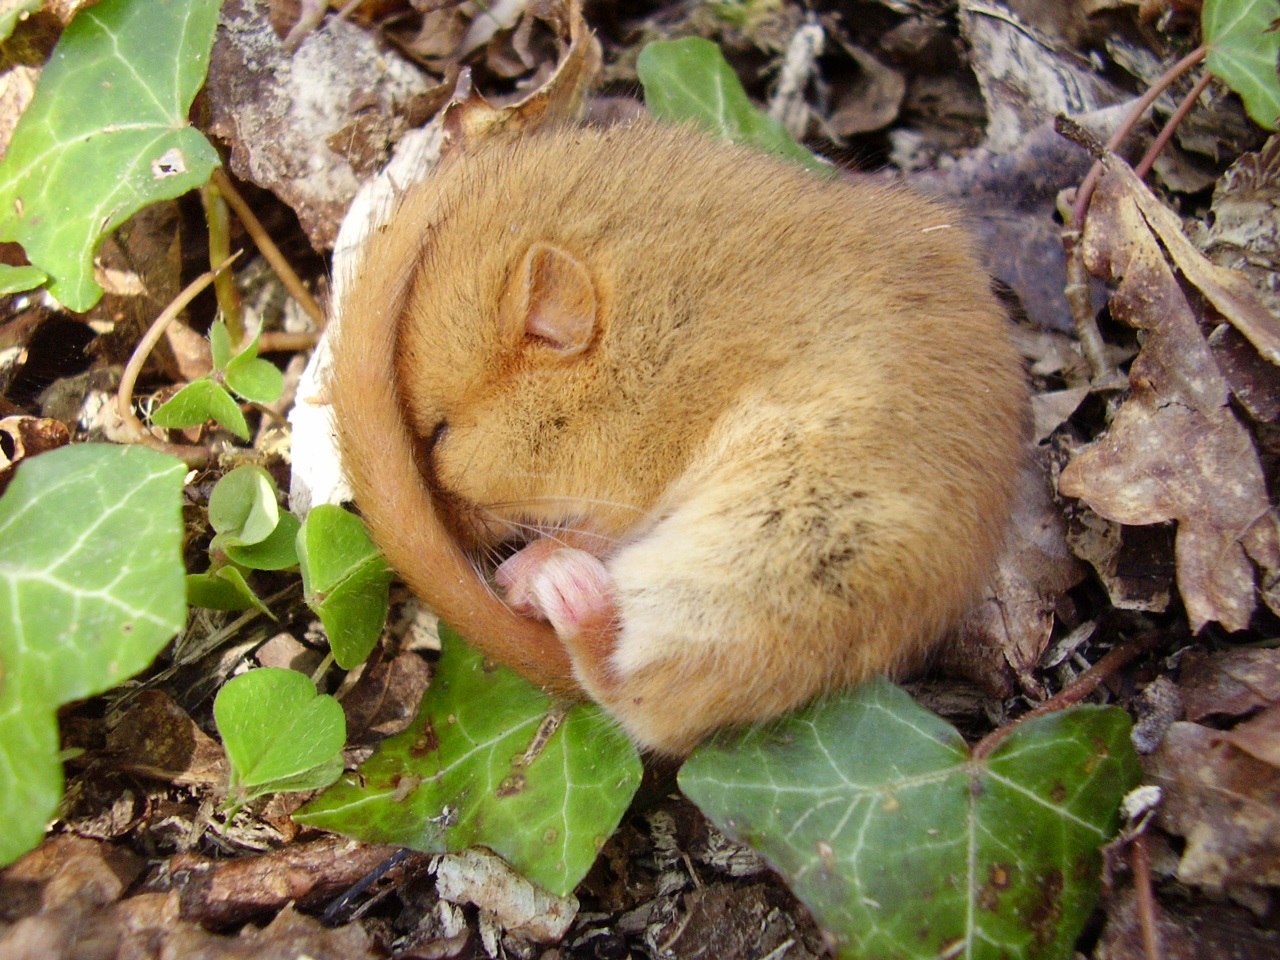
{"x":1175,"y":449}
{"x":1229,"y":683}
{"x":154,"y":737}
{"x":1225,"y":803}
{"x":1002,"y":639}
{"x":1259,"y":737}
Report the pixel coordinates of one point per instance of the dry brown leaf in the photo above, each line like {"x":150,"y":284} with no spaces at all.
{"x":25,"y":437}
{"x":1259,"y":737}
{"x":1227,"y":290}
{"x":1135,"y":564}
{"x":1225,"y":803}
{"x":1002,"y":639}
{"x":1229,"y":683}
{"x":153,"y":737}
{"x":470,"y":118}
{"x":1175,"y":449}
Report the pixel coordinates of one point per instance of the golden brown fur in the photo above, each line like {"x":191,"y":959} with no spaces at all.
{"x":783,"y":413}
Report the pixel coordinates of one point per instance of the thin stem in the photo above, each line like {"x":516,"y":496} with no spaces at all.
{"x":1085,"y":193}
{"x":253,"y":226}
{"x":218,"y":219}
{"x":1084,"y":685}
{"x":1140,"y":861}
{"x":195,"y":456}
{"x":1166,"y":134}
{"x":274,"y":341}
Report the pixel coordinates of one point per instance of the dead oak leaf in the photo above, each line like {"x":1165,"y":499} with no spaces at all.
{"x":1174,"y":450}
{"x":1224,"y":802}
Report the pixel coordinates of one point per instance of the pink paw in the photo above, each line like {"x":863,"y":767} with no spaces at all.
{"x":569,"y":588}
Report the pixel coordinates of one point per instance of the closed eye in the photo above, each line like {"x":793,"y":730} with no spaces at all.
{"x":437,"y":434}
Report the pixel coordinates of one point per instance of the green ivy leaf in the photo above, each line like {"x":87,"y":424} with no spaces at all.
{"x":197,"y":402}
{"x":106,"y":134}
{"x":223,"y":588}
{"x":91,"y":566}
{"x":345,"y":581}
{"x":243,"y":508}
{"x":279,"y":734}
{"x":690,"y":80}
{"x":1243,"y":49}
{"x":903,"y":845}
{"x":20,"y":279}
{"x":278,"y":551}
{"x":477,"y":766}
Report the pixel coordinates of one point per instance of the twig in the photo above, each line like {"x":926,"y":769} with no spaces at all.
{"x":1188,"y":103}
{"x":194,"y":456}
{"x":1140,"y":862}
{"x":274,"y":341}
{"x":1081,"y":206}
{"x":253,"y":226}
{"x":1084,"y":685}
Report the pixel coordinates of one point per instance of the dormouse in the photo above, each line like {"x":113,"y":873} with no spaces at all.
{"x":752,"y":434}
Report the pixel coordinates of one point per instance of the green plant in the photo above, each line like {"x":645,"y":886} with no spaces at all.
{"x":90,"y":558}
{"x":903,"y":843}
{"x":345,"y":581}
{"x":243,"y":372}
{"x":251,"y":532}
{"x":106,"y":135}
{"x":280,"y":735}
{"x":491,"y":760}
{"x":689,"y":80}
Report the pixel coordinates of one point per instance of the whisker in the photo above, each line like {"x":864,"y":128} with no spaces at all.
{"x":551,"y":498}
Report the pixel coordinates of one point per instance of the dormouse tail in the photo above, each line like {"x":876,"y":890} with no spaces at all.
{"x":377,"y":451}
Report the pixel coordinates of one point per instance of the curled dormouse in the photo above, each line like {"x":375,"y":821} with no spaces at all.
{"x":759,"y":432}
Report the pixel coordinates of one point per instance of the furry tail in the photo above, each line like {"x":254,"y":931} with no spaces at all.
{"x":378,"y":457}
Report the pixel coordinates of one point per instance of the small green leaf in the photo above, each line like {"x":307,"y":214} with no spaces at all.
{"x":91,"y":575}
{"x":197,"y":402}
{"x":903,"y":845}
{"x":1243,"y":48}
{"x":278,"y":552}
{"x":258,"y":380}
{"x":20,"y":279}
{"x":477,"y":766}
{"x":223,"y":588}
{"x":345,"y":581}
{"x":690,"y":80}
{"x":243,"y":508}
{"x":220,"y":344}
{"x":106,"y":134}
{"x":279,"y":733}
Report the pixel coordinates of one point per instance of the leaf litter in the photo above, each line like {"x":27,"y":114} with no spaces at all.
{"x":1166,"y":488}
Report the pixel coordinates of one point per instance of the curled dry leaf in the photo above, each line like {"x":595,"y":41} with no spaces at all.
{"x":1001,"y":641}
{"x":518,"y":906}
{"x":470,"y":118}
{"x":25,"y":437}
{"x":1175,"y":449}
{"x":1226,"y":804}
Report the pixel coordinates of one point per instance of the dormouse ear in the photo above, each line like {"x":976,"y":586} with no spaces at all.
{"x":552,"y":299}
